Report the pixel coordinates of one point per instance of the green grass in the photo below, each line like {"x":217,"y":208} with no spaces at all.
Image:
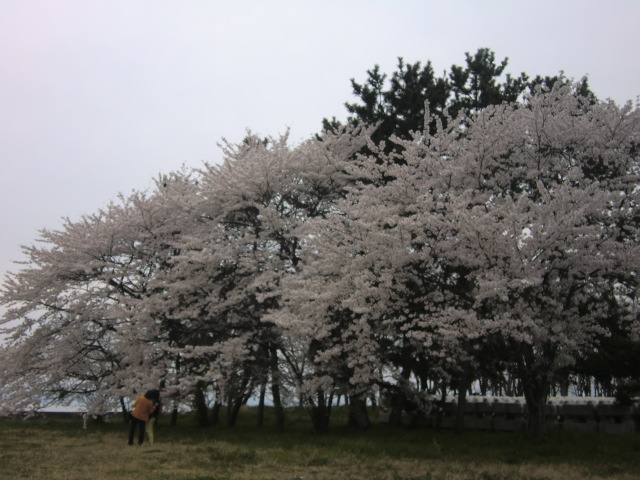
{"x":39,"y":449}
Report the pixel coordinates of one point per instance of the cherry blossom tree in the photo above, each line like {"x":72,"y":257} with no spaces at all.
{"x":78,"y":315}
{"x":228,"y":274}
{"x":555,"y":233}
{"x":520,"y":221}
{"x":375,"y":297}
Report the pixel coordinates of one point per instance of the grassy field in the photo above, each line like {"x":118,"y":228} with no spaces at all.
{"x":62,"y":449}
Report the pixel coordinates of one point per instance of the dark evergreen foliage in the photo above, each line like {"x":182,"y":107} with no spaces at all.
{"x":396,"y":102}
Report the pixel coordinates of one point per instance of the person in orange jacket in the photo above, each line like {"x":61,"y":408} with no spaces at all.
{"x":142,"y":408}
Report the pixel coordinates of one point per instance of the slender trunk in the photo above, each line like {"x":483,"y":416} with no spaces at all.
{"x":125,"y":412}
{"x":463,"y":385}
{"x":233,"y":410}
{"x":240,"y":394}
{"x":398,"y":400}
{"x":263,"y":392}
{"x":278,"y":410}
{"x":320,"y":411}
{"x":564,"y":387}
{"x":200,"y":404}
{"x":483,"y":386}
{"x":174,"y":416}
{"x":174,"y":411}
{"x":442,"y":402}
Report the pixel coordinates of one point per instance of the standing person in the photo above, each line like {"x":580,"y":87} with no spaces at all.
{"x":142,"y":408}
{"x":153,"y":417}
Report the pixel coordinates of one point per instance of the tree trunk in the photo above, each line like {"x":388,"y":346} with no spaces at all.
{"x":215,"y":412}
{"x":442,"y":402}
{"x":263,"y":391}
{"x":483,"y":386}
{"x":239,"y":395}
{"x":200,"y":405}
{"x":320,"y":412}
{"x":564,"y":387}
{"x":398,"y":399}
{"x":278,"y":410}
{"x":536,"y":391}
{"x":174,"y":416}
{"x":358,"y":415}
{"x":174,"y":411}
{"x":233,"y":410}
{"x":463,"y":385}
{"x":125,"y":412}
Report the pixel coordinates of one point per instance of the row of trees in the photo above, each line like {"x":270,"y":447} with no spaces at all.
{"x":492,"y":245}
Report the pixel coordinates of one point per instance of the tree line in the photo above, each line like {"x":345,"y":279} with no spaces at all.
{"x":421,"y":248}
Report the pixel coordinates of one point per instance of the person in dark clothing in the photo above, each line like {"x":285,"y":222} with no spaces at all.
{"x":153,"y":417}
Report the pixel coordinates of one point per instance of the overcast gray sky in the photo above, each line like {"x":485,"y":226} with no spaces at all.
{"x":99,"y":96}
